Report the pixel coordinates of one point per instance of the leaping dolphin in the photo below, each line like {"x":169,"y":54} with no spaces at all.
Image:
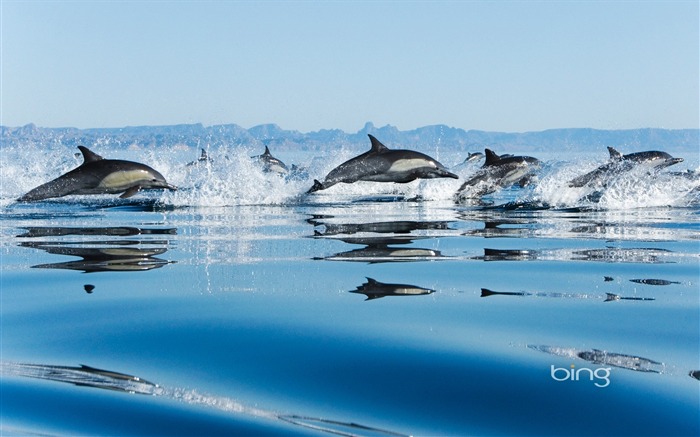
{"x":473,"y":157}
{"x":270,"y":163}
{"x":381,"y":164}
{"x":498,"y":172}
{"x":620,"y":163}
{"x":97,"y":175}
{"x":204,"y":157}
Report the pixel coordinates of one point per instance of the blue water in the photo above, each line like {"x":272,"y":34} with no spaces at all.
{"x":235,"y":305}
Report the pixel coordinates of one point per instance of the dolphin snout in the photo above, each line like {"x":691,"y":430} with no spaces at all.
{"x":448,"y":174}
{"x":670,"y":161}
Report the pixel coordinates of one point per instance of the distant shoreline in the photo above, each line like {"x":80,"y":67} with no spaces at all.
{"x":198,"y":135}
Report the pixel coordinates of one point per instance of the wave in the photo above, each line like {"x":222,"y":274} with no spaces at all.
{"x":86,"y":376}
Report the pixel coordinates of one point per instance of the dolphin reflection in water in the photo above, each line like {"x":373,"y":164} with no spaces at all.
{"x":596,"y":356}
{"x":86,"y":376}
{"x":609,"y":297}
{"x":101,"y":176}
{"x":101,"y":255}
{"x":374,"y":289}
{"x":654,"y":281}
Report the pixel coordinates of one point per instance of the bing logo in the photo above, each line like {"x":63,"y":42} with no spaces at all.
{"x":598,"y":375}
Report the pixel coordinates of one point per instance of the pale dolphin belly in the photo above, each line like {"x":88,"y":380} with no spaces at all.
{"x":122,"y":180}
{"x":406,"y":165}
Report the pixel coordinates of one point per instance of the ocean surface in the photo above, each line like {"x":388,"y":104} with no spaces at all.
{"x":239,"y":305}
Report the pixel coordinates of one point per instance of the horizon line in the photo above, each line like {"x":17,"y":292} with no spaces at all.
{"x":368,"y":125}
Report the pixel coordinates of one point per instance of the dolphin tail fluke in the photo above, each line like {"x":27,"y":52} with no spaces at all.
{"x":485,"y":292}
{"x":317,"y":186}
{"x":610,"y":297}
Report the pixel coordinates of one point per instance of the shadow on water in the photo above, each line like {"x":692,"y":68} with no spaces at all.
{"x":101,"y":255}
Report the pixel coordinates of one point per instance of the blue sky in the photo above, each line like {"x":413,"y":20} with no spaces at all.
{"x":497,"y":66}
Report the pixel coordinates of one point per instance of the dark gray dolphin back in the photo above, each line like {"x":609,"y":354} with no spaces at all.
{"x":97,"y":175}
{"x":381,"y":164}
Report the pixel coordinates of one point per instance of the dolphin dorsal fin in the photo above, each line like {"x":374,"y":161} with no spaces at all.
{"x":267,"y":151}
{"x":204,"y":156}
{"x":371,"y":281}
{"x":89,"y":155}
{"x":377,"y":146}
{"x":614,"y":154}
{"x":491,"y":157}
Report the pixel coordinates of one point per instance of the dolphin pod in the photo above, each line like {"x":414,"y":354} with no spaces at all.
{"x":97,"y":175}
{"x":498,"y":172}
{"x":381,"y":164}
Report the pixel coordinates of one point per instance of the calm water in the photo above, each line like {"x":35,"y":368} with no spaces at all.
{"x":237,"y":305}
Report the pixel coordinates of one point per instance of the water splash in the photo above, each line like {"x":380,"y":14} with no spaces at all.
{"x":233,"y":178}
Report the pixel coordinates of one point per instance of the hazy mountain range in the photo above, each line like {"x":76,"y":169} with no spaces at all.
{"x":197,"y":135}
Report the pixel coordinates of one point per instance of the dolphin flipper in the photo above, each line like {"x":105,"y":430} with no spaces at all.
{"x":130,"y":192}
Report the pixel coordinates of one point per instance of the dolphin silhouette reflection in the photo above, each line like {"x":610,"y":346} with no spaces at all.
{"x":374,"y":289}
{"x":609,"y":297}
{"x":596,"y":356}
{"x":387,"y":227}
{"x":86,"y":376}
{"x":380,"y":250}
{"x":100,"y":255}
